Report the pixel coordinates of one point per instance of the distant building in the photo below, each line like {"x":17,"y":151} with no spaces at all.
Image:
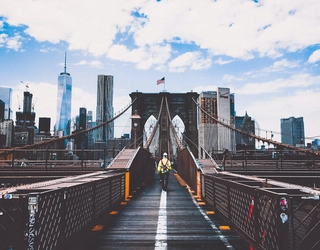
{"x":6,"y":96}
{"x":91,"y":134}
{"x":214,"y":137}
{"x":81,"y":141}
{"x":245,"y":124}
{"x":44,"y":125}
{"x":116,"y":145}
{"x":292,"y":131}
{"x":25,"y":122}
{"x":64,"y":103}
{"x":6,"y":133}
{"x":105,"y":107}
{"x":316,"y":144}
{"x":82,"y":119}
{"x":2,"y":108}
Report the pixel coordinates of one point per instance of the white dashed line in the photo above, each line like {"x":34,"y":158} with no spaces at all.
{"x":161,"y":237}
{"x":213,"y":226}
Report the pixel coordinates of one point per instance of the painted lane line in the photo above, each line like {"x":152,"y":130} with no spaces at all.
{"x":213,"y":226}
{"x":161,"y":236}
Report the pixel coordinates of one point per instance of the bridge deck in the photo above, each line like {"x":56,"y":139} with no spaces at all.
{"x":154,"y":219}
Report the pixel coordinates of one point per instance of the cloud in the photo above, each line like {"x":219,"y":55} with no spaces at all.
{"x":189,"y":60}
{"x":144,"y":57}
{"x":299,"y":104}
{"x":237,"y":29}
{"x":3,"y":39}
{"x":221,"y":61}
{"x":315,"y":57}
{"x":282,"y":66}
{"x":93,"y":64}
{"x":230,"y":78}
{"x":14,"y":42}
{"x":295,"y":81}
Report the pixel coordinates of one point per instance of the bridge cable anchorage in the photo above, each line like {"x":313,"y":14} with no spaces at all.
{"x":43,"y":143}
{"x":259,"y":138}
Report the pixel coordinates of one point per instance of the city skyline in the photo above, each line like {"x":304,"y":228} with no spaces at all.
{"x":266,"y":52}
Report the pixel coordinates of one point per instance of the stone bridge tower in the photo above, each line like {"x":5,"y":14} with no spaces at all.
{"x":180,"y":104}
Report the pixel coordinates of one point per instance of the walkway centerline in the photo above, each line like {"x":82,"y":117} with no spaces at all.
{"x":161,"y":236}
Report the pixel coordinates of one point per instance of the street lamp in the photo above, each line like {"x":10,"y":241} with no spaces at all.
{"x":135,"y":118}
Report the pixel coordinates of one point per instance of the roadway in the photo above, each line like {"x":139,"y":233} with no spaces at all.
{"x":154,"y":219}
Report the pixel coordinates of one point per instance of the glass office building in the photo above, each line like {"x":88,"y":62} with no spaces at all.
{"x":64,"y":103}
{"x":6,"y":97}
{"x":105,"y":107}
{"x":292,"y":131}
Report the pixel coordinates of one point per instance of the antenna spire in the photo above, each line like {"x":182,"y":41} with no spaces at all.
{"x":65,"y":62}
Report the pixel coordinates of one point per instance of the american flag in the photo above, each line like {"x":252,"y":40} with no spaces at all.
{"x":160,"y":81}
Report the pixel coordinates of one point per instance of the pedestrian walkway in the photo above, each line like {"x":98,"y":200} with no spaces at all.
{"x":159,"y":220}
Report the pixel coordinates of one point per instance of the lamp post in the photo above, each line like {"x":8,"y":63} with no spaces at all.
{"x":135,"y":118}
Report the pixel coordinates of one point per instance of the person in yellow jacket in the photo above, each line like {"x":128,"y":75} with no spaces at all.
{"x":164,"y":168}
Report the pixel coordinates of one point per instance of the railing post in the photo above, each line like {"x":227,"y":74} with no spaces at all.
{"x":283,"y":221}
{"x":46,"y":159}
{"x":255,"y":202}
{"x":104,"y":156}
{"x":245,"y":158}
{"x":242,"y":160}
{"x":127,"y":186}
{"x":313,"y":163}
{"x":33,"y":242}
{"x":82,"y":158}
{"x":281,"y":158}
{"x":12,"y":160}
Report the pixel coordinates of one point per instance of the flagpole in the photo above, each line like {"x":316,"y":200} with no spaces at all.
{"x":164,"y":85}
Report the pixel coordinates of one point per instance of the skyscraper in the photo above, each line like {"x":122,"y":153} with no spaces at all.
{"x":214,"y":137}
{"x":247,"y":125}
{"x":25,"y":120}
{"x":91,"y":134}
{"x":64,"y":102}
{"x":82,"y":119}
{"x":105,"y":107}
{"x":5,"y":96}
{"x":292,"y":131}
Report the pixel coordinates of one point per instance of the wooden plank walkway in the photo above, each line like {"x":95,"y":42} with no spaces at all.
{"x":154,"y":219}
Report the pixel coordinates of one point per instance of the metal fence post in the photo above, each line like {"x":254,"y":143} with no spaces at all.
{"x":12,"y":160}
{"x":281,"y":158}
{"x":283,"y":221}
{"x":32,"y":224}
{"x":46,"y":159}
{"x":82,"y":158}
{"x":104,"y":157}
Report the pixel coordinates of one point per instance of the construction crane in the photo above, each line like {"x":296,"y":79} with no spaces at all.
{"x":26,"y":84}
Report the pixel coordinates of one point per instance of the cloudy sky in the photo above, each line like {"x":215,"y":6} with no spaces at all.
{"x":266,"y":51}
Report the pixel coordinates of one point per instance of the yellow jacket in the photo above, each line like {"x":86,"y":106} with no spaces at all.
{"x":164,"y":166}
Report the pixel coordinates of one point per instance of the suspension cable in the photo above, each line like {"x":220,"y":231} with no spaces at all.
{"x":181,"y":147}
{"x":255,"y":136}
{"x":147,"y":145}
{"x":70,"y":136}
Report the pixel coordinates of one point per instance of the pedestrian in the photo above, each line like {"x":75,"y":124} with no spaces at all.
{"x":164,"y":168}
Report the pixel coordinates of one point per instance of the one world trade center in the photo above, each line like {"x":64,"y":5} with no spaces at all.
{"x":64,"y":102}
